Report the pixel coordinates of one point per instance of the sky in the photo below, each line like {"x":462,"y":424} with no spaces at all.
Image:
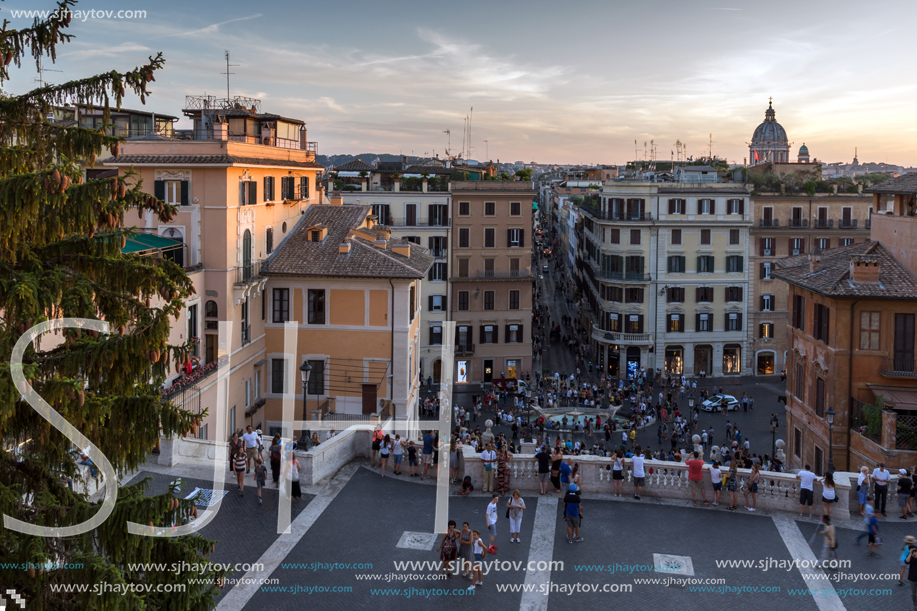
{"x":576,"y":82}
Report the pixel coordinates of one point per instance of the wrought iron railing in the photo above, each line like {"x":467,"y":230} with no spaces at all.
{"x":464,"y":349}
{"x":864,"y":421}
{"x":502,"y":274}
{"x":899,"y":367}
{"x":769,"y":223}
{"x":906,"y":433}
{"x":249,"y":272}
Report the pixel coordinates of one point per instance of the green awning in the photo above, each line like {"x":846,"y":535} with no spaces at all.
{"x":144,"y":242}
{"x":534,"y":205}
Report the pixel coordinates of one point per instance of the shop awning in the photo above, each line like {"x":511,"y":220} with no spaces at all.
{"x":140,"y":243}
{"x":896,"y":397}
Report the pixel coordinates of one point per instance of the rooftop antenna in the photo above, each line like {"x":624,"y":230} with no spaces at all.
{"x":470,"y":117}
{"x":487,"y":151}
{"x":41,"y":70}
{"x":710,"y":149}
{"x":227,"y":73}
{"x":449,"y":146}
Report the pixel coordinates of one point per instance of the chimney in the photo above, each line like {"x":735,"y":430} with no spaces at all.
{"x":864,"y":269}
{"x":402,"y":248}
{"x":336,"y":199}
{"x":344,"y":247}
{"x":221,"y":131}
{"x":814,"y":260}
{"x":380,"y":244}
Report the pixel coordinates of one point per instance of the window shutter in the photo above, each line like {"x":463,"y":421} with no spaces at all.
{"x":506,"y":336}
{"x":671,"y":206}
{"x":304,"y":187}
{"x":522,"y":237}
{"x":509,"y":237}
{"x":698,"y":293}
{"x":741,"y":260}
{"x":496,"y":334}
{"x":742,"y":206}
{"x":640,"y":323}
{"x":641,"y":208}
{"x":445,"y":243}
{"x":700,"y":263}
{"x":521,"y":336}
{"x":430,"y":303}
{"x":267,"y":188}
{"x":763,"y":272}
{"x":159,"y":189}
{"x":700,"y":206}
{"x":738,"y":321}
{"x":697,"y":322}
{"x":430,"y":242}
{"x":681,"y":323}
{"x":184,"y":193}
{"x":430,"y":275}
{"x":642,"y":264}
{"x":761,"y":248}
{"x":252,"y":193}
{"x":482,"y":334}
{"x":446,"y":214}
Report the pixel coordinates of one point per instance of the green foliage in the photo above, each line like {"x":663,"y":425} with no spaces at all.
{"x":504,"y":176}
{"x":872,"y":415}
{"x":525,"y":174}
{"x":809,"y":188}
{"x":60,"y":256}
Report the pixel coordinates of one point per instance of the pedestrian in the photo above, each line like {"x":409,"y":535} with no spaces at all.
{"x":503,"y":460}
{"x":557,"y":461}
{"x":716,"y":480}
{"x":867,"y":514}
{"x":617,"y":474}
{"x":238,"y":462}
{"x":412,"y":458}
{"x":909,"y":541}
{"x":260,"y":476}
{"x":376,"y":444}
{"x":573,"y":514}
{"x":880,"y":479}
{"x":427,"y":453}
{"x":544,"y":468}
{"x":515,"y":506}
{"x":489,"y":458}
{"x":830,"y":543}
{"x":751,"y":487}
{"x":453,"y":461}
{"x":465,"y":552}
{"x":448,"y":549}
{"x":696,"y":478}
{"x":638,"y":472}
{"x":904,"y":492}
{"x":732,"y":483}
{"x":234,"y":444}
{"x":480,"y":551}
{"x":565,"y":470}
{"x":294,"y":478}
{"x":397,"y":454}
{"x":863,"y":488}
{"x":828,"y":493}
{"x":253,"y":446}
{"x":385,"y":449}
{"x":492,"y":522}
{"x":875,"y":541}
{"x":274,"y":453}
{"x":806,"y":490}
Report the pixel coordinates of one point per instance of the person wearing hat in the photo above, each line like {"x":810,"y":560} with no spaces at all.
{"x":909,"y":541}
{"x":904,"y":491}
{"x":573,"y":513}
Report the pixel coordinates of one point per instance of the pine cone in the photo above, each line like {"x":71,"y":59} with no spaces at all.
{"x":32,"y":572}
{"x":55,"y":176}
{"x":65,"y":183}
{"x":115,"y":149}
{"x":8,"y":58}
{"x":80,"y":398}
{"x":122,"y":190}
{"x":66,"y":20}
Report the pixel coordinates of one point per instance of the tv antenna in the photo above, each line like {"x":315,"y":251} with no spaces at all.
{"x":710,"y":149}
{"x":487,"y":151}
{"x":449,"y":147}
{"x":227,"y":73}
{"x":41,"y":73}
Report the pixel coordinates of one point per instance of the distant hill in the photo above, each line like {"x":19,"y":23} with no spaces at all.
{"x":336,"y":160}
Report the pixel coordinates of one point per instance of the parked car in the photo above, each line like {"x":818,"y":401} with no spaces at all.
{"x":715,"y":403}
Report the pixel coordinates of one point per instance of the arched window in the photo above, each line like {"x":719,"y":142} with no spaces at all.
{"x":210,"y":309}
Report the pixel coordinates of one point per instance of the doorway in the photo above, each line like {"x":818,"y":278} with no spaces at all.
{"x":437,"y":370}
{"x":703,"y":359}
{"x":488,"y":370}
{"x":765,"y":363}
{"x":633,"y":362}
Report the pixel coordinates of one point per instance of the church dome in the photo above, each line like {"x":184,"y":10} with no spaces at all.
{"x":770,"y":130}
{"x":803,"y":150}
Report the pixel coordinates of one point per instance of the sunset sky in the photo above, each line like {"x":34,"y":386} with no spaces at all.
{"x":574,"y":82}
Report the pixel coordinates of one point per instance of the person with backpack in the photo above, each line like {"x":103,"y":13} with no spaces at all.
{"x":448,"y":549}
{"x":260,"y":476}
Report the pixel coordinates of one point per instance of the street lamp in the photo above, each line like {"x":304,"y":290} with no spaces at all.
{"x":829,"y":418}
{"x":304,"y":372}
{"x":691,"y":400}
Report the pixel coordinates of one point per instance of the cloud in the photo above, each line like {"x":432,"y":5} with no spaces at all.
{"x":210,"y":29}
{"x":125,"y":47}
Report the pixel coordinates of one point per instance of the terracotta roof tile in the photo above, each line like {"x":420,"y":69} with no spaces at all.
{"x":906,"y":183}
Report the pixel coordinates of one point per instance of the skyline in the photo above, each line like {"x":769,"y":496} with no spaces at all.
{"x":577,"y":86}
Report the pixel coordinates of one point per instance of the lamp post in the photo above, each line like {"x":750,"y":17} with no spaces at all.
{"x":304,"y":371}
{"x":691,"y":401}
{"x":829,"y":418}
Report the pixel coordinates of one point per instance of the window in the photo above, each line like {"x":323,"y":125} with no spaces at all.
{"x":820,"y":322}
{"x":488,"y":334}
{"x":246,"y":327}
{"x":615,"y":293}
{"x":735,"y":263}
{"x":315,"y":236}
{"x":463,"y":268}
{"x":634,"y":295}
{"x":316,"y":306}
{"x":676,"y":264}
{"x":514,"y":267}
{"x":176,"y":192}
{"x":514,"y":300}
{"x":438,"y":271}
{"x":269,"y":240}
{"x":732,"y":358}
{"x":248,"y":193}
{"x":464,"y":233}
{"x":767,"y":303}
{"x":676,"y":237}
{"x":490,"y":209}
{"x":766,"y":269}
{"x":513,"y":334}
{"x":268,"y":188}
{"x":766,"y":329}
{"x":705,"y":206}
{"x":436,"y":303}
{"x":414,"y":239}
{"x":412,"y":303}
{"x":676,"y":206}
{"x":436,"y":335}
{"x":317,"y":378}
{"x":705,"y":237}
{"x":733,"y":293}
{"x":488,"y":300}
{"x":703,"y":293}
{"x":733,"y":321}
{"x":489,"y":237}
{"x":463,"y":300}
{"x":634,"y":323}
{"x":799,"y":312}
{"x":464,"y":209}
{"x":211,"y":310}
{"x":281,"y":305}
{"x":705,"y":264}
{"x":797,"y":246}
{"x":615,"y":236}
{"x":172,"y":192}
{"x":304,"y":187}
{"x":439,"y":215}
{"x":676,"y":323}
{"x":869,"y":330}
{"x":766,"y":247}
{"x":702,"y":322}
{"x":192,"y":327}
{"x":515,"y":209}
{"x":382,"y":213}
{"x":823,"y":243}
{"x":489,"y":268}
{"x":733,"y":237}
{"x":463,"y":338}
{"x":635,"y":236}
{"x":797,"y":442}
{"x":735,"y":206}
{"x":675,"y":294}
{"x":846,"y":241}
{"x":612,"y":322}
{"x":277,"y":367}
{"x":800,"y":381}
{"x":514,"y":238}
{"x":819,"y":397}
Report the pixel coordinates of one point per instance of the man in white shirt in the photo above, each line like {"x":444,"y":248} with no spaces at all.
{"x":492,"y":518}
{"x":639,"y":473}
{"x":490,"y":465}
{"x":252,"y":446}
{"x":880,"y":478}
{"x":806,"y":489}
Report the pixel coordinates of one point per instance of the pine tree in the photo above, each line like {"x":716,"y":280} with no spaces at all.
{"x":60,"y":256}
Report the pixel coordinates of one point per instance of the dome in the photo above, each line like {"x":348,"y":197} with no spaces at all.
{"x":770,"y":130}
{"x":803,"y":150}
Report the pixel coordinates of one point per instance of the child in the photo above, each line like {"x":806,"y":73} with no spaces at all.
{"x":260,"y":476}
{"x":397,"y":453}
{"x":466,"y":486}
{"x":412,"y":458}
{"x":480,"y":550}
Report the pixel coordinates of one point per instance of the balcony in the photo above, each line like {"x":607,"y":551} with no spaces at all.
{"x":246,"y":335}
{"x":616,"y":215}
{"x":769,"y":223}
{"x":797,"y":223}
{"x":417,"y":221}
{"x":621,"y":276}
{"x":505,"y":274}
{"x":464,"y":350}
{"x":438,"y":253}
{"x":899,"y":368}
{"x":823,"y":223}
{"x":248,"y":273}
{"x":625,"y":339}
{"x":248,"y":282}
{"x":847,"y":224}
